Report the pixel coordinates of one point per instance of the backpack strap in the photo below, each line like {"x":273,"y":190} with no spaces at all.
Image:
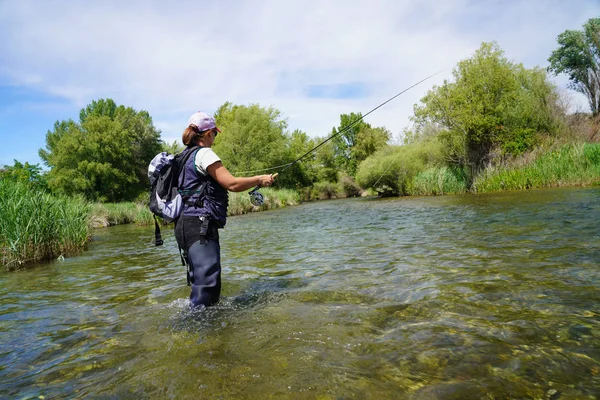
{"x":157,"y":237}
{"x":199,"y":187}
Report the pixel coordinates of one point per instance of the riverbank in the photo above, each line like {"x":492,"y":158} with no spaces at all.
{"x":37,"y":226}
{"x":108,"y":214}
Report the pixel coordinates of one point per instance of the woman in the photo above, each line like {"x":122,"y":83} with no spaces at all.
{"x":204,"y":182}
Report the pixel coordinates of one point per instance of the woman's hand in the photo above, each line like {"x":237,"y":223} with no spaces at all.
{"x":266,"y":180}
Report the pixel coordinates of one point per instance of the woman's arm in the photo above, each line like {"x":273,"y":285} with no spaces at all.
{"x":233,"y":184}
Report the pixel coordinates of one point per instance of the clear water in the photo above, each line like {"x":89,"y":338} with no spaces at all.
{"x":479,"y":296}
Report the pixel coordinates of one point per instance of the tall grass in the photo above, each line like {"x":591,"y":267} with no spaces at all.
{"x":107,"y":214}
{"x":439,"y":181}
{"x":571,"y":164}
{"x":239,"y":203}
{"x":37,"y":226}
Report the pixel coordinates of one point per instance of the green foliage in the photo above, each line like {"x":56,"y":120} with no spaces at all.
{"x":39,"y":226}
{"x":347,"y":135}
{"x":591,"y":152}
{"x":28,"y":174}
{"x":521,"y":141}
{"x":173,"y":148}
{"x":368,"y":141}
{"x":349,"y":187}
{"x":391,"y":170}
{"x":105,"y":155}
{"x":578,"y":56}
{"x":303,"y":173}
{"x":355,"y":141}
{"x":439,"y":181}
{"x":326,"y":190}
{"x":327,"y":170}
{"x":493,"y":103}
{"x":253,"y":139}
{"x":572,"y":164}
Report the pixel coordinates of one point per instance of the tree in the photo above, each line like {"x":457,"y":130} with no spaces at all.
{"x":173,"y":148}
{"x":578,"y":56}
{"x":253,"y":140}
{"x":346,"y":138}
{"x":368,"y":141}
{"x":493,"y":104}
{"x":31,"y":175}
{"x":105,"y":155}
{"x":303,"y":173}
{"x":325,"y":160}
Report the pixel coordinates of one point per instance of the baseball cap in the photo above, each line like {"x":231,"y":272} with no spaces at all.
{"x":203,"y":121}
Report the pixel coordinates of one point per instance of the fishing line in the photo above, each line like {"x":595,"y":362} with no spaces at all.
{"x":256,"y":198}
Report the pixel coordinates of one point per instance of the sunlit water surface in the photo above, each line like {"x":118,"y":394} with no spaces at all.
{"x":459,"y":297}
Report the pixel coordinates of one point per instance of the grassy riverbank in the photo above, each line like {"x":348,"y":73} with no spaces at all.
{"x":107,"y":214}
{"x":37,"y":226}
{"x":572,"y":164}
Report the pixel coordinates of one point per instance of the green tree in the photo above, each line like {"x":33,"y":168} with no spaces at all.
{"x":303,"y":173}
{"x":368,"y":141}
{"x":346,"y":136}
{"x":253,"y":140}
{"x":30,"y":174}
{"x":173,"y":148}
{"x":492,"y":105}
{"x":105,"y":155}
{"x":326,"y":169}
{"x":578,"y":56}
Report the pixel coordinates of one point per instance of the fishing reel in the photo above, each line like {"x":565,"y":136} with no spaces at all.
{"x":256,"y":197}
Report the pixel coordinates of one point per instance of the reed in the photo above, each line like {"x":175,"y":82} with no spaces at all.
{"x":439,"y":181}
{"x":108,"y":214}
{"x":570,"y":165}
{"x":37,"y":226}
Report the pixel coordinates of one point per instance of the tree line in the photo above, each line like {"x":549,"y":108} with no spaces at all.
{"x":492,"y":110}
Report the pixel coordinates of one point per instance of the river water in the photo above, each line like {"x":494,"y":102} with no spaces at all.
{"x":488,"y":296}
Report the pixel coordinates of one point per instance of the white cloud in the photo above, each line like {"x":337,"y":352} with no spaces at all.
{"x":172,"y":58}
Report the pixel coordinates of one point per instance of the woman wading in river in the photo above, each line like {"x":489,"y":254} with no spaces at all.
{"x":206,"y":181}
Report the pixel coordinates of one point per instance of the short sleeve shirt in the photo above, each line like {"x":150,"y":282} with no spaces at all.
{"x":205,"y":157}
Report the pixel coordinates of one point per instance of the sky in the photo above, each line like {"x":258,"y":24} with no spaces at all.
{"x":311,"y":60}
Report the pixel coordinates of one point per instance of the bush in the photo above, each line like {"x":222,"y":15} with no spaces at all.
{"x":350,"y":187}
{"x":390,"y":171}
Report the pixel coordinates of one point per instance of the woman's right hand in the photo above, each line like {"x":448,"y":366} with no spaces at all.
{"x":266,"y":180}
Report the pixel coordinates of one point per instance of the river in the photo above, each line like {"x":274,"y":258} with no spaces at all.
{"x":487,"y":296}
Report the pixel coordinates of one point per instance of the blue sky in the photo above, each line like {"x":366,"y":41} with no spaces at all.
{"x":312,"y":60}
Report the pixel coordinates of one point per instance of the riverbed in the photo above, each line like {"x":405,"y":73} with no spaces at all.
{"x":475,"y":296}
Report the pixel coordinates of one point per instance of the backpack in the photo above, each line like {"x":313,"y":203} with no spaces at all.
{"x":166,"y":202}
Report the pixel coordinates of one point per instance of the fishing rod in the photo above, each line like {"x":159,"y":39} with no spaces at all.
{"x":257,"y":199}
